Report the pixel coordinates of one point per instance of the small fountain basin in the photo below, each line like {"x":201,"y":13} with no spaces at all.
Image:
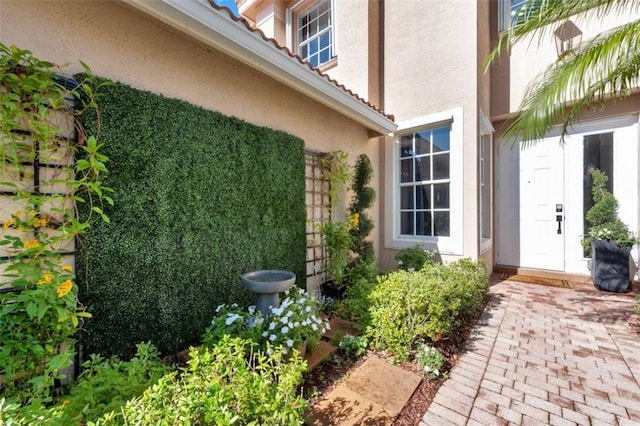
{"x":267,"y":284}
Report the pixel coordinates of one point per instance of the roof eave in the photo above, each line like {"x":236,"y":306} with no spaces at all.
{"x":216,"y":29}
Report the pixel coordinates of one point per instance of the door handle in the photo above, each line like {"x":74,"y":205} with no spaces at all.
{"x":559,"y":220}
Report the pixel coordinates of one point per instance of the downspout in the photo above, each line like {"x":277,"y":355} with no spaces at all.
{"x":381,"y":58}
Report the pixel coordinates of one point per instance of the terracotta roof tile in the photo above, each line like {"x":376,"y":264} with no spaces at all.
{"x":285,"y":49}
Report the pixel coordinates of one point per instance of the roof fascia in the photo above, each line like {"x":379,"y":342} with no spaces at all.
{"x":216,"y":29}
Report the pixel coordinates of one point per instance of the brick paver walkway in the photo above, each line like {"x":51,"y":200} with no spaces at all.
{"x":546,"y":355}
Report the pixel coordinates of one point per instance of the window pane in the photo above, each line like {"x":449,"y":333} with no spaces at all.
{"x":304,"y":52}
{"x":324,"y":21}
{"x":324,"y":40}
{"x":485,"y":188}
{"x":406,"y":170}
{"x":423,"y":197}
{"x":441,"y":224}
{"x":406,"y":197}
{"x":441,"y":166}
{"x":423,"y":169}
{"x":313,"y":47}
{"x":441,"y":139}
{"x":423,"y":146}
{"x":406,"y":146}
{"x":441,"y":196}
{"x":406,"y":223}
{"x":423,"y":223}
{"x":325,"y":55}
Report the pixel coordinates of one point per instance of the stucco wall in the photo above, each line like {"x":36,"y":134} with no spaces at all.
{"x":118,"y":43}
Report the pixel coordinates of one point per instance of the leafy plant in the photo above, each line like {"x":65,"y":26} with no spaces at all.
{"x":353,"y":346}
{"x":409,"y":306}
{"x":221,"y":386}
{"x":337,"y":236}
{"x":363,"y":198}
{"x":40,"y":312}
{"x":355,"y":304}
{"x":430,"y":360}
{"x":107,"y":384}
{"x":337,"y":174}
{"x":295,"y":322}
{"x":414,"y":258}
{"x":604,"y":223}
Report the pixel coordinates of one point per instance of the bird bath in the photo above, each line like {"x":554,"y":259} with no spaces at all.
{"x":268,"y":284}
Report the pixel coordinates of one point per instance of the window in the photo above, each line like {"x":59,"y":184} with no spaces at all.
{"x":486,"y":147}
{"x":424,"y":182}
{"x":314,"y":33}
{"x":424,"y":192}
{"x":512,"y":12}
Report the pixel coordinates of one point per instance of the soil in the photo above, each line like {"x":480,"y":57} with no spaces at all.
{"x":325,"y":377}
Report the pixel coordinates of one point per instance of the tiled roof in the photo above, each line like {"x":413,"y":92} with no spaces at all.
{"x":296,"y":57}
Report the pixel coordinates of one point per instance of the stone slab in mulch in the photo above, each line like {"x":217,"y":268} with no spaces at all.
{"x":383,"y":383}
{"x":320,"y":353}
{"x":374,"y":394}
{"x":345,"y":407}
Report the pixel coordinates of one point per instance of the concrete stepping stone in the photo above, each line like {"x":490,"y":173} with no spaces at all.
{"x":323,"y":351}
{"x":373,"y":395}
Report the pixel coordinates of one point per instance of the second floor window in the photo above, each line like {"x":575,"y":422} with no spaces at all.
{"x":315,"y":33}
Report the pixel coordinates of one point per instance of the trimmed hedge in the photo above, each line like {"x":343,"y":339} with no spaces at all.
{"x":200,"y":198}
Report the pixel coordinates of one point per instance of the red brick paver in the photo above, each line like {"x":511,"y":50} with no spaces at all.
{"x":546,"y":355}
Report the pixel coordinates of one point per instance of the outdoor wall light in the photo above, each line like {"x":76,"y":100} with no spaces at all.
{"x":567,"y":36}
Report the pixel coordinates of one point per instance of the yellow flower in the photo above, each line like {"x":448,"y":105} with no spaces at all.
{"x":32,"y":213}
{"x":46,"y":278}
{"x":8,"y":223}
{"x":354,"y":220}
{"x":31,"y":244}
{"x":64,"y":288}
{"x":67,"y":268}
{"x":40,"y":223}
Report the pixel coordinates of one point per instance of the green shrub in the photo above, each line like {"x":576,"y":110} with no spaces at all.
{"x":363,"y":198}
{"x":220,"y":386}
{"x":353,"y":346}
{"x":430,"y":361}
{"x":355,"y":304}
{"x":201,"y":198}
{"x":409,"y":306}
{"x":413,"y":258}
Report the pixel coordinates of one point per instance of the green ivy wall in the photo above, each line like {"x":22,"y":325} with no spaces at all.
{"x":200,"y":198}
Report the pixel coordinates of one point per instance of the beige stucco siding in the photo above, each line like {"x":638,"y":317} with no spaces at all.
{"x":118,"y":43}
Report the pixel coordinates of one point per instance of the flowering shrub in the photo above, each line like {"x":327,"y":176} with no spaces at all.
{"x":48,"y":173}
{"x":430,"y":361}
{"x":295,"y":322}
{"x":413,"y":258}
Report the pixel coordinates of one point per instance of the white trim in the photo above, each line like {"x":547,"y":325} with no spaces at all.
{"x":445,"y":245}
{"x":486,"y":129}
{"x":216,"y":29}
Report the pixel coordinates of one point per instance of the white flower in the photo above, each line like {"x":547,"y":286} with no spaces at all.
{"x":289,"y":314}
{"x":272,"y":337}
{"x":272,"y":326}
{"x":296,"y":324}
{"x":265,"y":333}
{"x":276,"y":311}
{"x":234,"y":305}
{"x":219,"y":308}
{"x":252,"y":309}
{"x":400,"y":262}
{"x":307,"y":309}
{"x":436,"y":372}
{"x":231,"y":318}
{"x":328,"y":326}
{"x":314,"y":326}
{"x":290,"y":325}
{"x":285,"y":330}
{"x":427,"y":369}
{"x":411,"y":269}
{"x":289,"y":342}
{"x":284,"y":320}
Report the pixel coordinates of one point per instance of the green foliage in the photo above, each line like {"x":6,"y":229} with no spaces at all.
{"x":363,"y":198}
{"x":337,"y":173}
{"x":603,"y":216}
{"x":337,"y":237}
{"x":295,"y":322}
{"x":220,"y":386}
{"x":414,"y":258}
{"x":107,"y":384}
{"x":637,"y":308}
{"x":353,"y":346}
{"x":355,"y":304}
{"x":408,"y":306}
{"x":201,"y":199}
{"x":40,"y":314}
{"x":430,"y":361}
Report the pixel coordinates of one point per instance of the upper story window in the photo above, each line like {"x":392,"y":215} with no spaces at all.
{"x":512,"y":12}
{"x":314,"y":32}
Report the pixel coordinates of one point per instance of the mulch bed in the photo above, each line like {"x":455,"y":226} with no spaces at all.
{"x":324,"y":378}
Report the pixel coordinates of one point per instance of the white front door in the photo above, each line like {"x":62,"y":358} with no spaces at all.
{"x":548,"y":181}
{"x":542,"y":202}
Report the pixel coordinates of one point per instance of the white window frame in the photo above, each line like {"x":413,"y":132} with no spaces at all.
{"x":453,"y":244}
{"x":292,"y":14}
{"x":506,"y":13}
{"x":485,"y":171}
